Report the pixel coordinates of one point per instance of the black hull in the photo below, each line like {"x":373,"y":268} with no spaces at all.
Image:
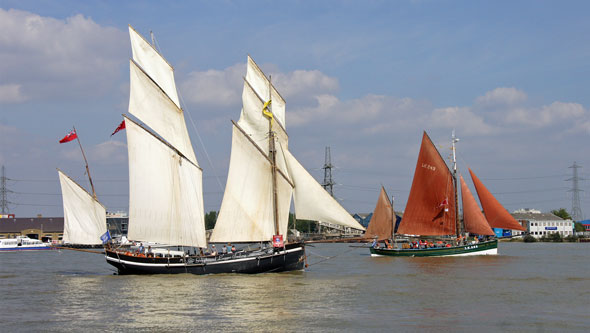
{"x":290,"y":259}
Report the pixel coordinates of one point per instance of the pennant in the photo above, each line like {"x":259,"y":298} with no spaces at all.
{"x":266,"y":111}
{"x":69,"y":137}
{"x":120,"y":127}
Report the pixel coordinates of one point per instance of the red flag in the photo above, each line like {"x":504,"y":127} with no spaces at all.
{"x":69,"y":137}
{"x":444,"y":202}
{"x":277,"y":241}
{"x":120,"y":127}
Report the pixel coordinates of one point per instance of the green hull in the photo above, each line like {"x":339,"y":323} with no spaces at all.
{"x":483,"y":248}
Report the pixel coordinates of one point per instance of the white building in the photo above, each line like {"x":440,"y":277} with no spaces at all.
{"x":543,"y":224}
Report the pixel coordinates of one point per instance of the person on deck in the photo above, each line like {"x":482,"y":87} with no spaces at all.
{"x":224,"y":249}
{"x":141,"y":248}
{"x":213,"y":250}
{"x":150,"y":253}
{"x":233,"y":248}
{"x":374,"y":245}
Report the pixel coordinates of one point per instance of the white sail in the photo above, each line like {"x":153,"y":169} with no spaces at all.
{"x":255,"y":123}
{"x":165,"y":192}
{"x":312,"y":202}
{"x":84,"y":217}
{"x":152,"y":106}
{"x":153,"y":64}
{"x":260,"y":84}
{"x":246,"y":213}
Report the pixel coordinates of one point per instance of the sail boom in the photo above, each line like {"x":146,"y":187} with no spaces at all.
{"x":164,"y":142}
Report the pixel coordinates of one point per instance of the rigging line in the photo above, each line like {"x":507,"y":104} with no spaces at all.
{"x":328,"y":258}
{"x":529,"y":191}
{"x":513,"y":178}
{"x":202,"y":144}
{"x":102,"y":195}
{"x":57,"y":180}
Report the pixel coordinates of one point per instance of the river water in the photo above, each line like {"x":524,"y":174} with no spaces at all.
{"x":538,"y":287}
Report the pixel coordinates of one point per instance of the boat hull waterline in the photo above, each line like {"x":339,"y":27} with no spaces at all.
{"x":290,"y":259}
{"x":483,"y":248}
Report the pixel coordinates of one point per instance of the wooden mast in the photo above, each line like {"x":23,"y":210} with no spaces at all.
{"x":273,"y":158}
{"x":85,"y":161}
{"x":458,"y":224}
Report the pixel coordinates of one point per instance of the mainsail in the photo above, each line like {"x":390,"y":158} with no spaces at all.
{"x":248,"y":196}
{"x":431,"y":204}
{"x":247,"y":210}
{"x":165,"y":180}
{"x":165,"y":192}
{"x":382,"y":221}
{"x":496,"y":214}
{"x":84,"y":217}
{"x":473,"y":218}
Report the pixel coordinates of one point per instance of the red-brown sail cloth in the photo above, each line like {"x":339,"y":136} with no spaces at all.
{"x":496,"y":214}
{"x":473,"y":218}
{"x":381,"y":224}
{"x":431,"y":205}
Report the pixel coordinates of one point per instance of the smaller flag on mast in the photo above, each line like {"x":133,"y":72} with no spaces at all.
{"x":69,"y":137}
{"x":120,"y":127}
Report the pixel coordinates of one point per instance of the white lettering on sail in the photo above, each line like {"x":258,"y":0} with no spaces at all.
{"x":428,"y":166}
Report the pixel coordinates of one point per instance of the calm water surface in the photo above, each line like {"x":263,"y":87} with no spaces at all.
{"x":529,"y":287}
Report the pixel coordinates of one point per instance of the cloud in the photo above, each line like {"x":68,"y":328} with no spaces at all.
{"x":501,"y":96}
{"x":301,"y":84}
{"x":214,"y":87}
{"x":460,"y":118}
{"x":11,"y":93}
{"x":553,"y":114}
{"x":51,"y":58}
{"x":109,"y":152}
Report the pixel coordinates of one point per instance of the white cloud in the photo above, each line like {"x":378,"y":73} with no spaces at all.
{"x":546,"y":115}
{"x":109,"y":152}
{"x":461,"y":118}
{"x":501,"y":96}
{"x":214,"y":87}
{"x":301,"y":84}
{"x":47,"y":57}
{"x":11,"y":93}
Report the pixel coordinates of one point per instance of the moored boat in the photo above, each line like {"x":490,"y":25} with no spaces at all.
{"x":23,"y":243}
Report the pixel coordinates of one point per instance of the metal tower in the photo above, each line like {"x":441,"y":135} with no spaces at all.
{"x":4,"y":192}
{"x":576,"y":209}
{"x":328,"y":181}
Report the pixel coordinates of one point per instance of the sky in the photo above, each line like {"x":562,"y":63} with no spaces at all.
{"x":364,"y":78}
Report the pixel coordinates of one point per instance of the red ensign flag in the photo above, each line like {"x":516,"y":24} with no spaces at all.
{"x":69,"y":137}
{"x":120,"y":127}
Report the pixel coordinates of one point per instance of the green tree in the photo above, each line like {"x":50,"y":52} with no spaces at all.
{"x":561,"y":212}
{"x":579,"y":227}
{"x":555,"y":237}
{"x":210,"y":219}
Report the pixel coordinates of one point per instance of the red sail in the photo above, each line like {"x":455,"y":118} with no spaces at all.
{"x":431,"y":205}
{"x":496,"y":214}
{"x":475,"y":222}
{"x":381,"y":224}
